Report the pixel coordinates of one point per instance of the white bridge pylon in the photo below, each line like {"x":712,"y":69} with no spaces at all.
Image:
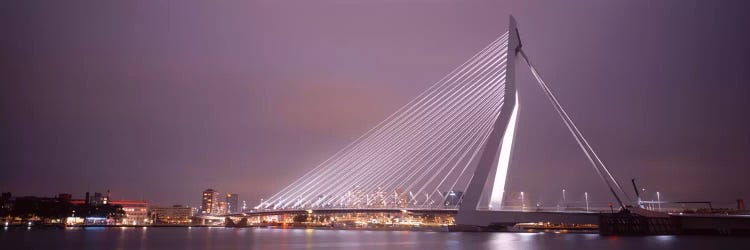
{"x":450,"y":145}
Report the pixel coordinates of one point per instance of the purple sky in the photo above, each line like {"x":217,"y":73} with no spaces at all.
{"x":161,"y":99}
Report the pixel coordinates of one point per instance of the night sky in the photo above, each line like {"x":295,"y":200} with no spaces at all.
{"x":159,"y":100}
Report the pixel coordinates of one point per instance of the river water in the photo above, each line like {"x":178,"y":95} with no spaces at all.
{"x":269,"y":238}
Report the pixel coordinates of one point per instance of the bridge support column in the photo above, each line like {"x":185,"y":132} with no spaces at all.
{"x":486,"y":188}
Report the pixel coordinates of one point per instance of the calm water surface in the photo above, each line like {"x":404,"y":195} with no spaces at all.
{"x":266,"y":238}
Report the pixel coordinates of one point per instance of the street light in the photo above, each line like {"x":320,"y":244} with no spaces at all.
{"x":586,"y":195}
{"x":640,"y":199}
{"x":658,"y":199}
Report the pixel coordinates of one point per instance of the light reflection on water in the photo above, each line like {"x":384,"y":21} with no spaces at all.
{"x":268,"y":238}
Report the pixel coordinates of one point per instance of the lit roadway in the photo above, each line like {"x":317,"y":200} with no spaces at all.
{"x":499,"y":217}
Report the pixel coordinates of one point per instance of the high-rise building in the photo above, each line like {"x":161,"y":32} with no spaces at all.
{"x":222,"y":208}
{"x":210,"y":202}
{"x":233,"y":203}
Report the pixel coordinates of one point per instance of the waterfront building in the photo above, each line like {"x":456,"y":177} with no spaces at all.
{"x":233,"y":203}
{"x":136,"y":211}
{"x":210,"y":202}
{"x":43,"y":210}
{"x":177,"y":214}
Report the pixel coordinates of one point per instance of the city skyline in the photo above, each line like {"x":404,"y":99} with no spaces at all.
{"x":157,"y":105}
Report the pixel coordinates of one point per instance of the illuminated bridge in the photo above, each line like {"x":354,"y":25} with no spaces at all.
{"x":446,"y":151}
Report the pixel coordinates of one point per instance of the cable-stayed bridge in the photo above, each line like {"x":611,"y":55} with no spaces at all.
{"x":448,"y":150}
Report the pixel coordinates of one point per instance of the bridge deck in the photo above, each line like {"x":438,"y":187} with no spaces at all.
{"x":345,"y":210}
{"x":481,"y":218}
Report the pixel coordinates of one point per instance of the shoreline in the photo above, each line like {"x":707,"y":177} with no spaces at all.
{"x":446,"y":229}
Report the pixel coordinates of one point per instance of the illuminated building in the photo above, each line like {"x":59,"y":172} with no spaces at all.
{"x":176,"y":214}
{"x":98,"y":198}
{"x":210,"y":202}
{"x":233,"y":203}
{"x":105,"y":200}
{"x":136,"y":211}
{"x":222,"y":208}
